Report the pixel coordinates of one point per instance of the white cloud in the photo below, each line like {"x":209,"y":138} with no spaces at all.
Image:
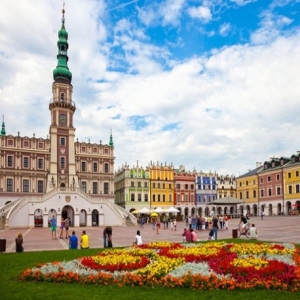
{"x":201,"y":12}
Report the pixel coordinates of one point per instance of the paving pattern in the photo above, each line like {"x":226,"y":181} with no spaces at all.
{"x":274,"y":229}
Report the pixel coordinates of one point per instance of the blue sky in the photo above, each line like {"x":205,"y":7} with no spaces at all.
{"x":211,"y":85}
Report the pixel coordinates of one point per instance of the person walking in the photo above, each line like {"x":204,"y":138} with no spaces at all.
{"x":53,"y":227}
{"x":215,"y":226}
{"x":19,"y":243}
{"x":138,"y":239}
{"x":73,"y":242}
{"x":67,"y":224}
{"x":62,"y":226}
{"x":157,"y":225}
{"x":84,"y":240}
{"x":107,"y":234}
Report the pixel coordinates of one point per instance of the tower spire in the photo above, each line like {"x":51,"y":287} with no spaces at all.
{"x":111,"y":143}
{"x":62,"y":70}
{"x":3,"y":132}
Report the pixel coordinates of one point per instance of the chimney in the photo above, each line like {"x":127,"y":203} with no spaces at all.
{"x":258,"y":164}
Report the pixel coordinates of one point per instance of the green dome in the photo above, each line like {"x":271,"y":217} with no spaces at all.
{"x":62,"y":69}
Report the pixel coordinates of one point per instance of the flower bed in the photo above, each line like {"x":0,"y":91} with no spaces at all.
{"x":206,"y":266}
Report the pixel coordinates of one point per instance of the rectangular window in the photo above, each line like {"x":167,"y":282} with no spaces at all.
{"x":40,"y":186}
{"x":277,"y":177}
{"x":297,"y":188}
{"x":26,"y":185}
{"x":153,"y":185}
{"x":186,"y":186}
{"x":95,"y":187}
{"x":146,"y":197}
{"x":132,"y":184}
{"x":192,"y":187}
{"x":290,"y":189}
{"x":95,"y":167}
{"x":164,"y":198}
{"x":289,"y":175}
{"x":269,"y":192}
{"x":240,"y":183}
{"x":247,"y":182}
{"x":132,"y":197}
{"x":9,"y":185}
{"x":139,"y":184}
{"x":241,"y":195}
{"x":297,"y":173}
{"x":9,"y":161}
{"x":40,"y":164}
{"x":186,"y":198}
{"x":170,"y":185}
{"x":63,"y":141}
{"x":25,"y":162}
{"x":62,"y":162}
{"x":278,"y":190}
{"x":269,"y":178}
{"x":261,"y":180}
{"x":192,"y":198}
{"x":178,"y":198}
{"x":139,"y":197}
{"x":261,"y":193}
{"x":106,"y":168}
{"x":158,"y":185}
{"x":106,"y":190}
{"x":145,"y":184}
{"x":164,"y":185}
{"x":178,"y":186}
{"x":153,"y":198}
{"x":83,"y":186}
{"x":158,"y":198}
{"x":247,"y":195}
{"x":83,"y":166}
{"x":254,"y":194}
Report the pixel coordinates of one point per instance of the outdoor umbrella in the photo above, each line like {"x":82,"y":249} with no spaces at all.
{"x":158,"y":210}
{"x":154,"y":214}
{"x":172,"y":210}
{"x":144,"y":210}
{"x":137,"y":211}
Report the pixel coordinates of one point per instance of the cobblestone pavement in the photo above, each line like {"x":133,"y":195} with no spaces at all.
{"x":274,"y":229}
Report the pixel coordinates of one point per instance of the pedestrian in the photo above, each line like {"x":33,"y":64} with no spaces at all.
{"x":107,"y":235}
{"x":190,"y":223}
{"x":53,"y":227}
{"x":67,"y":224}
{"x":215,"y":226}
{"x":261,"y":215}
{"x":157,"y":225}
{"x":62,"y":226}
{"x":153,"y":223}
{"x":73,"y":242}
{"x":175,"y":224}
{"x":138,"y":239}
{"x":225,"y":222}
{"x":84,"y":240}
{"x":253,"y":233}
{"x":19,"y":243}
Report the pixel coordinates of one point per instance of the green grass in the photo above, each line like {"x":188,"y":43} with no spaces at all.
{"x":12,"y":265}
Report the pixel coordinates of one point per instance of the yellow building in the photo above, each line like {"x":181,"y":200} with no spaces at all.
{"x":291,"y":181}
{"x":247,"y":190}
{"x":162,"y":185}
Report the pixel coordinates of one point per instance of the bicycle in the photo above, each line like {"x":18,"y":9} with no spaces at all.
{"x":244,"y":231}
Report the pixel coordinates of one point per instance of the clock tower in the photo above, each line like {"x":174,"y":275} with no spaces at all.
{"x":62,"y":171}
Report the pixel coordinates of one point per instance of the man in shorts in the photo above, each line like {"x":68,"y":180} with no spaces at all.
{"x":53,"y":227}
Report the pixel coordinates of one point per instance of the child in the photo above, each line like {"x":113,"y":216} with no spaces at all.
{"x":172,"y":224}
{"x":210,"y":235}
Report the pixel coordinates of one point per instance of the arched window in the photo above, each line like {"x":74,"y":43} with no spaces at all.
{"x":62,"y":97}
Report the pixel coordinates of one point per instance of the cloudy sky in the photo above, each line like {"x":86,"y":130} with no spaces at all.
{"x":212,"y":85}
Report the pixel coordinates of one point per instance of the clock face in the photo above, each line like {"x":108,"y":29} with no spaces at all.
{"x":62,"y":119}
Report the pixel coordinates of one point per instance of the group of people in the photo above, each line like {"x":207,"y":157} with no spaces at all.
{"x":205,"y":223}
{"x":64,"y":227}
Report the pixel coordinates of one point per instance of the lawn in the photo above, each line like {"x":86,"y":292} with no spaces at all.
{"x":13,"y":264}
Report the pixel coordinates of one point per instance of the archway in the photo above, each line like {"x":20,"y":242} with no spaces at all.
{"x":255,"y":210}
{"x":68,"y":212}
{"x":279,"y":209}
{"x":95,"y":218}
{"x":62,"y":185}
{"x":186,"y":213}
{"x":270,"y":209}
{"x":38,"y":218}
{"x":82,"y":218}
